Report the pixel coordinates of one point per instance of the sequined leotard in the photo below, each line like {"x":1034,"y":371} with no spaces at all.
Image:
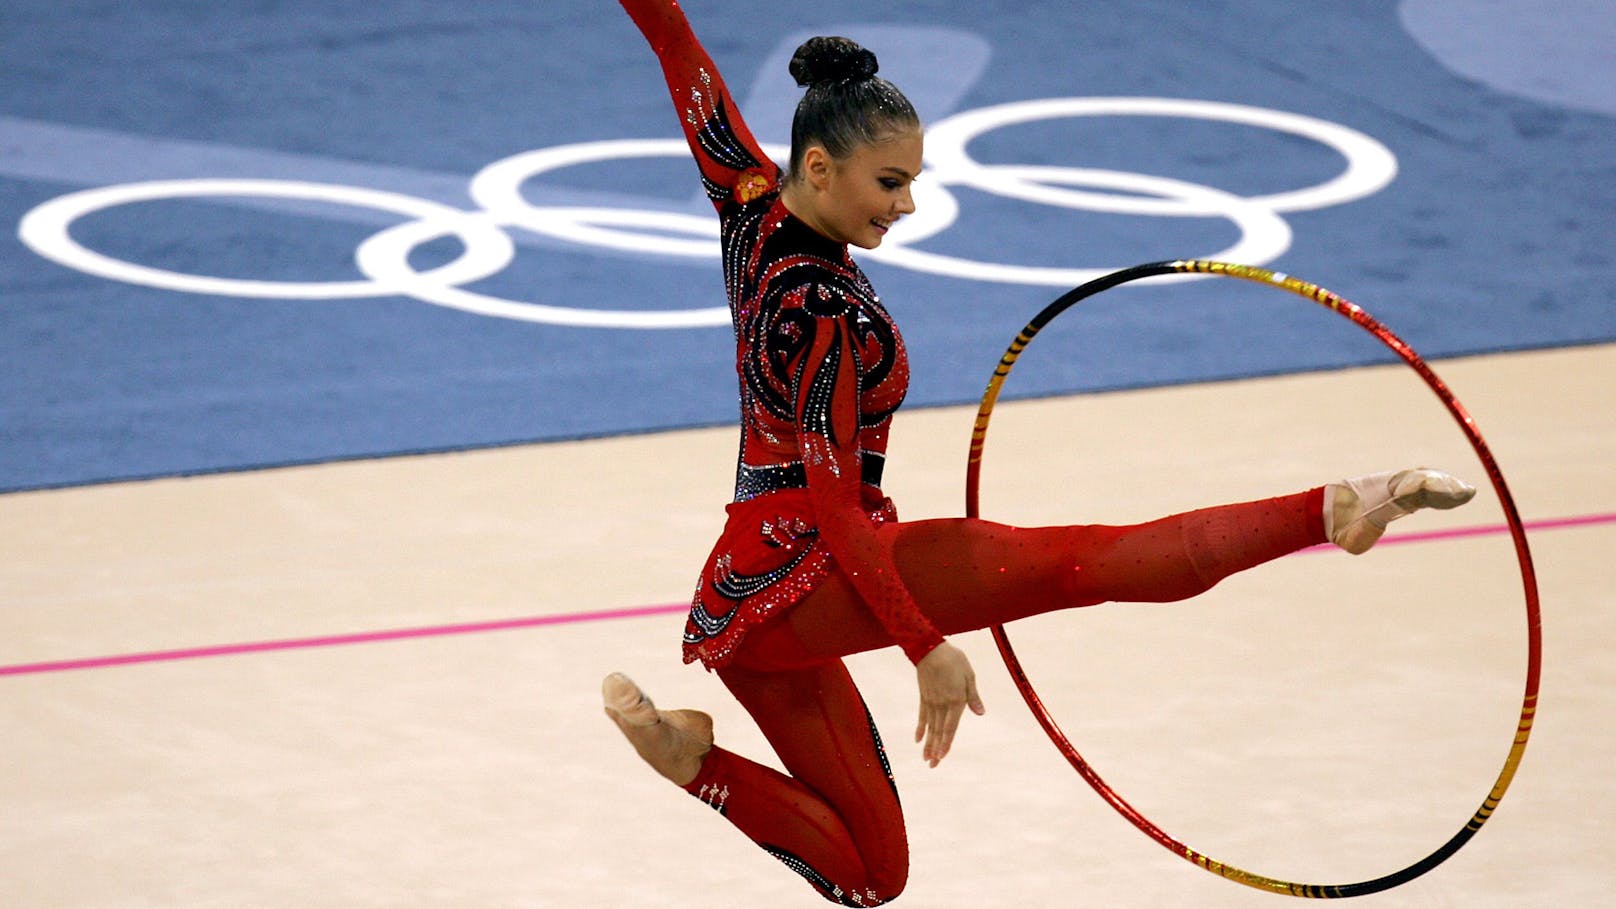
{"x":813,"y":565}
{"x":822,"y":368}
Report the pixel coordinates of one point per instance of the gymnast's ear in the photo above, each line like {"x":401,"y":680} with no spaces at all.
{"x":816,"y":166}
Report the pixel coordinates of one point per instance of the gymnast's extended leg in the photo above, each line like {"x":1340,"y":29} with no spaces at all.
{"x":971,"y":574}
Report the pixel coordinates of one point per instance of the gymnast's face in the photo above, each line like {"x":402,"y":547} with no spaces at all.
{"x":858,"y":198}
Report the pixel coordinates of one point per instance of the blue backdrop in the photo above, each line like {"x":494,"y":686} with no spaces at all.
{"x":1496,"y":233}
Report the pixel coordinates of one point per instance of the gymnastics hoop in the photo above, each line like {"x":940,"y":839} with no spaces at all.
{"x":1517,"y":532}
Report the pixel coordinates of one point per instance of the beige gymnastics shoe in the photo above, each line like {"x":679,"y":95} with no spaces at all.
{"x":673,"y":742}
{"x":1357,"y":511}
{"x":625,"y":699}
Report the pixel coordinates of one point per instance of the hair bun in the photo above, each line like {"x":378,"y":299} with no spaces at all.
{"x":828,"y":59}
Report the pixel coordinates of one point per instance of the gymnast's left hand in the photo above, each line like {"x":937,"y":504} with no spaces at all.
{"x":947,"y":687}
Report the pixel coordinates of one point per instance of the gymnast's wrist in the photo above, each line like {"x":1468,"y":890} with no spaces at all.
{"x":918,"y":650}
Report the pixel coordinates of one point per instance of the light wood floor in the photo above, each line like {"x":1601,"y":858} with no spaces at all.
{"x":398,"y":706}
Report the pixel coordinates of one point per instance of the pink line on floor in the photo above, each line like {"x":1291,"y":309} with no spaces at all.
{"x":336,"y":640}
{"x":1485,"y":530}
{"x":634,"y":612}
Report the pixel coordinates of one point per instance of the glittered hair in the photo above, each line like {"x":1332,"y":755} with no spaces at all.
{"x":846,"y":104}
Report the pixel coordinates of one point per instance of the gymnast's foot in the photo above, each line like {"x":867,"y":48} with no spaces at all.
{"x":1357,"y":511}
{"x":673,"y":742}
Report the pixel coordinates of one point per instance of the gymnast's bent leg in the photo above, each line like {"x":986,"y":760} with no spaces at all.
{"x":835,"y":820}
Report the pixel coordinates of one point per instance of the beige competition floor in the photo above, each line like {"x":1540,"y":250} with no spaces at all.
{"x":375,"y":684}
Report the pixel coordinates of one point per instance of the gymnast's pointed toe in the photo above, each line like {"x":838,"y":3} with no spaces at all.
{"x":626,"y":701}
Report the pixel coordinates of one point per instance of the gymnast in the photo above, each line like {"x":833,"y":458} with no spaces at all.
{"x":813,"y":564}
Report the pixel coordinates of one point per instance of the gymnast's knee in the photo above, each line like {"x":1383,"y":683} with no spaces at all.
{"x":881,"y":888}
{"x":887,"y":881}
{"x":878,"y":884}
{"x":886,"y":873}
{"x":886,"y":864}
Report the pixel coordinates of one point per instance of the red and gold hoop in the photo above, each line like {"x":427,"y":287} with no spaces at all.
{"x":1466,"y":424}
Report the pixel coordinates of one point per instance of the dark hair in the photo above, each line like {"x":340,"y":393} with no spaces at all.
{"x":846,"y":105}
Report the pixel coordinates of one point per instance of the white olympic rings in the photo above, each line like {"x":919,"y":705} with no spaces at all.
{"x":487,"y":247}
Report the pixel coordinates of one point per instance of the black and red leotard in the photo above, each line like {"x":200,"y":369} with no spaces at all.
{"x":822,"y":368}
{"x":809,"y":560}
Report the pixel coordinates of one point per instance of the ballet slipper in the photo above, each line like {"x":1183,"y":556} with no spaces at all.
{"x":673,"y":742}
{"x":627,"y":701}
{"x":1357,"y":511}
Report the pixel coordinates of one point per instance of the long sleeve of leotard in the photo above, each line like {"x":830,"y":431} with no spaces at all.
{"x":826,"y":385}
{"x":825,"y":364}
{"x":731,"y":162}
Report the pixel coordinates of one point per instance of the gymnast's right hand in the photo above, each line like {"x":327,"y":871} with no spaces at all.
{"x":947,"y":687}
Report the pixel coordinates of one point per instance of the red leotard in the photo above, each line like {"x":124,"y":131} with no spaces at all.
{"x":813,"y":564}
{"x":822,"y":369}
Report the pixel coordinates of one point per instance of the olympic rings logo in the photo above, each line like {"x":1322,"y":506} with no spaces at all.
{"x":487,"y":246}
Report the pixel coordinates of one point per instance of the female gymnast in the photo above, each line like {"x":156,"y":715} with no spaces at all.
{"x":813,"y":564}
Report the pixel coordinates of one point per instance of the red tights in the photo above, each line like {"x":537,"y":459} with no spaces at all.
{"x":836,"y":819}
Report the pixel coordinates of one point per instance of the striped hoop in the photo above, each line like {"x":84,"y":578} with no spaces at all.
{"x":1517,"y":532}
